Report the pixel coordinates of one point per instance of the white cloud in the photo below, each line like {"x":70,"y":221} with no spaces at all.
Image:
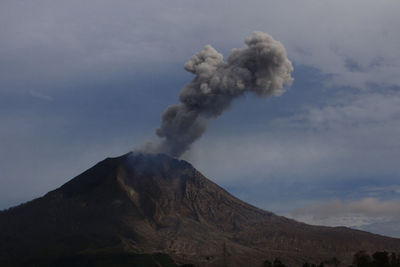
{"x":355,"y":43}
{"x":40,"y":95}
{"x":371,"y":214}
{"x":355,"y":135}
{"x":369,"y":207}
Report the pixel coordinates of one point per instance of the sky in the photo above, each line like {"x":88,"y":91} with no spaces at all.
{"x":84,"y":80}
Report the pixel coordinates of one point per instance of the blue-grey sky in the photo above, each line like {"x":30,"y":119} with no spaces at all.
{"x":84,"y":80}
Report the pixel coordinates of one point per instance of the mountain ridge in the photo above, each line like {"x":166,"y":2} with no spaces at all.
{"x":152,"y":203}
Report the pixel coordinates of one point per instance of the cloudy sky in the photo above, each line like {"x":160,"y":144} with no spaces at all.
{"x":85,"y":80}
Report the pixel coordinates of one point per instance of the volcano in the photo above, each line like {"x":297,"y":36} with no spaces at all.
{"x":155,"y":208}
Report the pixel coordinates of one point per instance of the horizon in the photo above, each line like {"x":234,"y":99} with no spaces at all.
{"x":82,"y":82}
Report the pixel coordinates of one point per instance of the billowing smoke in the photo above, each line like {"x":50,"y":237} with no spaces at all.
{"x":262,"y":68}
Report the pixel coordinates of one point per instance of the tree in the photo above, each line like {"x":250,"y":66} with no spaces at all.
{"x":278,"y":263}
{"x":393,"y":259}
{"x":361,"y":259}
{"x":267,"y":263}
{"x":381,"y":259}
{"x":334,"y":261}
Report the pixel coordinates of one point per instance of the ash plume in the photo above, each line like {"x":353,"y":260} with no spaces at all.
{"x":262,"y":68}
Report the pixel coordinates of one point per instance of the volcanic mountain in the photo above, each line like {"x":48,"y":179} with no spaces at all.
{"x":155,"y":205}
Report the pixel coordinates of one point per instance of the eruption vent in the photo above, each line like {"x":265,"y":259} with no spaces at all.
{"x":262,"y":68}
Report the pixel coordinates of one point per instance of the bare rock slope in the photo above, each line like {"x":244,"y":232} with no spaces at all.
{"x":144,"y":204}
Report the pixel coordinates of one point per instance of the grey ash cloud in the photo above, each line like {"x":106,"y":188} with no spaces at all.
{"x":262,"y":68}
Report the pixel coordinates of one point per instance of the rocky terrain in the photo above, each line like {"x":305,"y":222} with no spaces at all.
{"x":143,"y":204}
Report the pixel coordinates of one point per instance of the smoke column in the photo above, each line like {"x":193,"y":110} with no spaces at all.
{"x":262,"y":68}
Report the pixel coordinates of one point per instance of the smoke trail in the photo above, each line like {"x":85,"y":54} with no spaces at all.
{"x":263,"y":68}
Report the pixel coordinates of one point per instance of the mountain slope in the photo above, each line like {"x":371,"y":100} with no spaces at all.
{"x":140,"y":203}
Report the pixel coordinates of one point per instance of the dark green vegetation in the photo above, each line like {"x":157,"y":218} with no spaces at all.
{"x":378,"y":259}
{"x":98,"y":260}
{"x":276,"y":263}
{"x":133,"y":207}
{"x":360,"y":259}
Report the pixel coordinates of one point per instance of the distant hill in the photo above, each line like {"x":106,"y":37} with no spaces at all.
{"x":154,"y":208}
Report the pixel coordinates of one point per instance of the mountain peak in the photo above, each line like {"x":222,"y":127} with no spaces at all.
{"x":168,"y":190}
{"x":134,"y":163}
{"x":150,"y":203}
